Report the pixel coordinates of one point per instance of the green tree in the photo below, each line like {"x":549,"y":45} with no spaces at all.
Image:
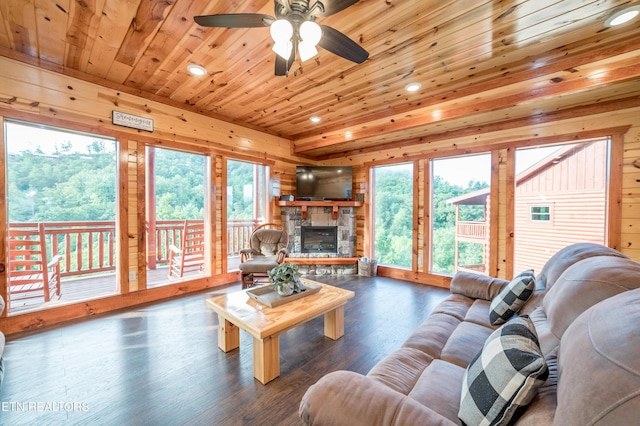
{"x":394,"y":215}
{"x":444,"y":223}
{"x":179,"y":185}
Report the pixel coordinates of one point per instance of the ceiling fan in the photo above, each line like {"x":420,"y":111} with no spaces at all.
{"x":294,"y":30}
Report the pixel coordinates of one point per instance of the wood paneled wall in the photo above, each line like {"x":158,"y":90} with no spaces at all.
{"x":624,"y":128}
{"x":39,"y":96}
{"x":36,"y":95}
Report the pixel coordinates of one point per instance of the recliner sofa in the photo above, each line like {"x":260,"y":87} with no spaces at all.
{"x":585,"y":309}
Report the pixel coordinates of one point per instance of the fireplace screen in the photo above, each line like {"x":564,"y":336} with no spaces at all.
{"x":319,"y":239}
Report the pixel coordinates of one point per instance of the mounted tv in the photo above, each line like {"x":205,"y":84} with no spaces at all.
{"x":319,"y":183}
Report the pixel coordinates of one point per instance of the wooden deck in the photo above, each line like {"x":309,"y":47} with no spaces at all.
{"x":95,"y":287}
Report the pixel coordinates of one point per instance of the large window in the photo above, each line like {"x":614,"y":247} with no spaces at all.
{"x":561,"y":198}
{"x":247,"y":205}
{"x":176,"y":225}
{"x":61,"y":212}
{"x":393,"y":214}
{"x":460,"y":221}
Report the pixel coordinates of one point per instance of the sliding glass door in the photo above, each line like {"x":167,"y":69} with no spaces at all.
{"x":176,"y":225}
{"x":61,"y":213}
{"x":247,"y":205}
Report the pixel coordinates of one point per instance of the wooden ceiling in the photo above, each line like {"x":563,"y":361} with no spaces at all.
{"x":482,"y":64}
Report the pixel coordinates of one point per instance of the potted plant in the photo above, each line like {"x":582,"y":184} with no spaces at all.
{"x":285,"y":279}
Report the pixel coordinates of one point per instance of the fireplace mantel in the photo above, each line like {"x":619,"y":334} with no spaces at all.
{"x":333,"y":204}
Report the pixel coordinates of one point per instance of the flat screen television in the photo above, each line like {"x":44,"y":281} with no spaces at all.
{"x":324,"y":183}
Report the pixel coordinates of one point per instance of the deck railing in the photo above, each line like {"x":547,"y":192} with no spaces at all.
{"x":238,"y":234}
{"x":472,"y":230}
{"x":89,"y":247}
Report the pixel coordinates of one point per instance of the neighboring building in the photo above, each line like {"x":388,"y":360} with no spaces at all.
{"x":559,"y":200}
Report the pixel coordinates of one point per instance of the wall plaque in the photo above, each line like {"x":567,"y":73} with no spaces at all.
{"x":133,"y":121}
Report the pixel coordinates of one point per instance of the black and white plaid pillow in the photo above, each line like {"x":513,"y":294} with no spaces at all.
{"x":504,"y":377}
{"x":509,"y":301}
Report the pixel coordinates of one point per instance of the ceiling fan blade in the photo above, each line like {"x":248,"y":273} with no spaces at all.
{"x":235,"y":20}
{"x":339,"y":44}
{"x":334,"y":6}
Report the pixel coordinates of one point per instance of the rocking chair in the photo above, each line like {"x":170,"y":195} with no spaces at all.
{"x":30,"y":275}
{"x":268,"y":249}
{"x":190,"y":255}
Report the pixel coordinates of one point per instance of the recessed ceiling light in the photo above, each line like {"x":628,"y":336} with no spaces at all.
{"x":413,"y":87}
{"x":622,"y":16}
{"x":197,"y":70}
{"x":315,"y":119}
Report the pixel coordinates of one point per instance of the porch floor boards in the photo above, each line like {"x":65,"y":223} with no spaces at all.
{"x":95,"y":287}
{"x":160,"y":363}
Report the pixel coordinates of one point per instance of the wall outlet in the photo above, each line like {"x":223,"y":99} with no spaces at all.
{"x":132,"y":276}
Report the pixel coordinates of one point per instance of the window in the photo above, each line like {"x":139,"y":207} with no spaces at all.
{"x":61,"y":195}
{"x":564,"y":188}
{"x":540,"y":214}
{"x":459,"y":209}
{"x":176,"y":188}
{"x":247,"y":205}
{"x":393,"y":214}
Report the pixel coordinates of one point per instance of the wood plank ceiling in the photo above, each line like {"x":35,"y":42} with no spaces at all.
{"x":481,"y":64}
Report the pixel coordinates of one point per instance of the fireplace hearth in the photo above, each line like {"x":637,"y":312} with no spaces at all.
{"x":319,"y":239}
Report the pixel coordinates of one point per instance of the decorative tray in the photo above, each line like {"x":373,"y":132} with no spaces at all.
{"x":268,"y":296}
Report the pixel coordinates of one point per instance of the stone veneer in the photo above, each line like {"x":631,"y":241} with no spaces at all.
{"x":322,"y":216}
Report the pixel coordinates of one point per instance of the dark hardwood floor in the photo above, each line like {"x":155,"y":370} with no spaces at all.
{"x":160,"y":365}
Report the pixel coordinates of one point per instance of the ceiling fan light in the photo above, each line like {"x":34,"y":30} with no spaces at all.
{"x":283,"y":49}
{"x":281,"y":31}
{"x":306,"y":50}
{"x":310,"y":32}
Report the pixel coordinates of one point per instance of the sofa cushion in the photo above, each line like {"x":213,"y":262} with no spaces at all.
{"x":509,"y":301}
{"x":259,"y":264}
{"x":586,"y":283}
{"x":478,"y":313}
{"x":598,"y":356}
{"x":464,"y":343}
{"x":455,"y":305}
{"x":401,"y":370}
{"x":476,"y":286}
{"x":432,"y":335}
{"x":443,"y":398}
{"x":569,"y":255}
{"x":504,"y":377}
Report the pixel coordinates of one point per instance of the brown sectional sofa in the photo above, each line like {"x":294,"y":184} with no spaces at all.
{"x":585,"y":308}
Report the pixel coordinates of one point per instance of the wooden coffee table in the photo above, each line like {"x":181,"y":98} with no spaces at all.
{"x":236,"y":310}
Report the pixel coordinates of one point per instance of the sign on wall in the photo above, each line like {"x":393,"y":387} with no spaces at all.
{"x":133,"y":121}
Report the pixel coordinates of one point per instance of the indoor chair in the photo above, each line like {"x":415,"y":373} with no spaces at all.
{"x":268,"y":249}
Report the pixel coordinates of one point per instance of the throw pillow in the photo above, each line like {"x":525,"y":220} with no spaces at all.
{"x":504,"y":377}
{"x":509,"y":301}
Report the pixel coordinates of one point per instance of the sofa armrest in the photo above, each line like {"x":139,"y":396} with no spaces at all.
{"x":348,"y":398}
{"x":476,"y":286}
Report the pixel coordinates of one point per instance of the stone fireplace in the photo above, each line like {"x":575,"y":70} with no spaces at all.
{"x":321,"y":225}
